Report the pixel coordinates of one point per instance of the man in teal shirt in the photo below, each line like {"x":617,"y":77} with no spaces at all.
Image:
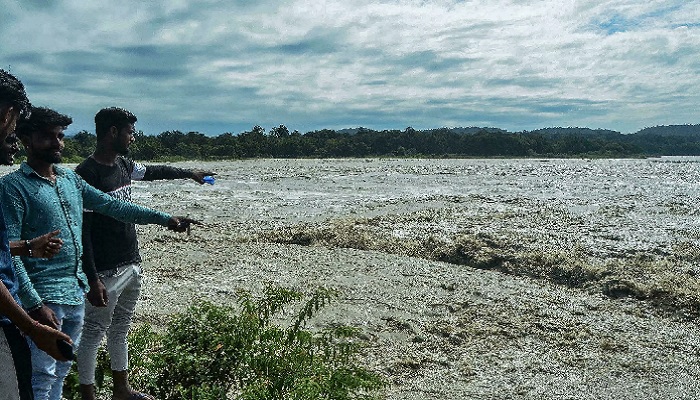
{"x":42,"y":197}
{"x":15,"y":379}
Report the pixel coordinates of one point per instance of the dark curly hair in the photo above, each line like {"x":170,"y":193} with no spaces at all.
{"x":12,"y":94}
{"x":112,"y":116}
{"x":40,"y":119}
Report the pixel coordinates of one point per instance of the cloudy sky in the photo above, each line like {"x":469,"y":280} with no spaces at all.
{"x":216,"y":66}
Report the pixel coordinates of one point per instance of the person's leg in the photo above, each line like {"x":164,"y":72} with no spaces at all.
{"x":43,"y":365}
{"x":97,"y":321}
{"x":9,"y":388}
{"x":72,"y":326}
{"x":117,"y":343}
{"x":47,"y":373}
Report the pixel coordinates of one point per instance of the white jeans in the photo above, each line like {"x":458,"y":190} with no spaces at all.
{"x":123,"y":287}
{"x":8,"y":378}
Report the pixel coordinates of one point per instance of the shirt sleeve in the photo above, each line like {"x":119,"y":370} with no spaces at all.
{"x":13,"y":207}
{"x":138,"y":171}
{"x":88,"y":256}
{"x":124,"y":211}
{"x":158,"y":172}
{"x":88,"y":253}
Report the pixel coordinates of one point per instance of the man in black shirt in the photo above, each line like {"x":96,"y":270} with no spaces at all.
{"x":111,"y":257}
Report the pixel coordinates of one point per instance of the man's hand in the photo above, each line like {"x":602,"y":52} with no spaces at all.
{"x":181,"y":224}
{"x":45,"y":338}
{"x":46,"y":246}
{"x":45,"y":316}
{"x":198,"y":176}
{"x":97,"y":296}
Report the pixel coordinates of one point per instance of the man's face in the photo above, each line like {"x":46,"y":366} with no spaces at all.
{"x":45,"y":145}
{"x":125,"y":137}
{"x":8,"y":140}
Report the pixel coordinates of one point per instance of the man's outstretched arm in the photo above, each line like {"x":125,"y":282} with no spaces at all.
{"x":125,"y":211}
{"x":160,"y":172}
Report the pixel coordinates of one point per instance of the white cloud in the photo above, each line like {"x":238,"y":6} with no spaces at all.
{"x":213,"y":65}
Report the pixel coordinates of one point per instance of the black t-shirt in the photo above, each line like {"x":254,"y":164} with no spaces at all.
{"x":107,"y":242}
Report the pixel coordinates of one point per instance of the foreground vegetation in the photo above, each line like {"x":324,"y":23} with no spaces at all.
{"x":214,"y":352}
{"x":457,"y":142}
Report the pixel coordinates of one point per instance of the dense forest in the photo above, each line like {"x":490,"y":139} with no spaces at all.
{"x":444,"y":142}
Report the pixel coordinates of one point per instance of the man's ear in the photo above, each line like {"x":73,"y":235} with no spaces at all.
{"x":113,"y":132}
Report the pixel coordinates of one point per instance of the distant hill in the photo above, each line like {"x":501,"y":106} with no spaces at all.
{"x":558,"y":131}
{"x":471,"y":130}
{"x":348,"y":131}
{"x":662,"y":130}
{"x":672,"y":130}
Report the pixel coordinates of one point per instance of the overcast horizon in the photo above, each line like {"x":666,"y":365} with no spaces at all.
{"x":225,"y":66}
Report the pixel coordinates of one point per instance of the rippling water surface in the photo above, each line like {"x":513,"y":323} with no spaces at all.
{"x":622,"y":203}
{"x":613,"y":205}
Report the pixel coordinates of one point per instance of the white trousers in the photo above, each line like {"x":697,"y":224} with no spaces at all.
{"x":123,"y":286}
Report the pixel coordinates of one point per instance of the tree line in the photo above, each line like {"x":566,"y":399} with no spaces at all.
{"x":280,"y":142}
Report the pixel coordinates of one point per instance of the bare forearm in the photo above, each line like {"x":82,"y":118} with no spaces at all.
{"x":13,"y":311}
{"x":45,"y":337}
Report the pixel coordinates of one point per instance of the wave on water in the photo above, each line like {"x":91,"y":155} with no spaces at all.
{"x":643,"y":276}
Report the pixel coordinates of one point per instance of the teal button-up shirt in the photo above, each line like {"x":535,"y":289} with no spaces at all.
{"x":33,"y":206}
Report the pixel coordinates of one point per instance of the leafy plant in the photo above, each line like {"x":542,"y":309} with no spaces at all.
{"x":218,"y":352}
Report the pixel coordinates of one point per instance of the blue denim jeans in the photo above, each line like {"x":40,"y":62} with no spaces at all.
{"x":47,"y":373}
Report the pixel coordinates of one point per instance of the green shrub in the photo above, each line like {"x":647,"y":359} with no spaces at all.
{"x":218,"y":352}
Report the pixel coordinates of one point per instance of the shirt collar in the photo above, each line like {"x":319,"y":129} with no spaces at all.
{"x":27,"y":170}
